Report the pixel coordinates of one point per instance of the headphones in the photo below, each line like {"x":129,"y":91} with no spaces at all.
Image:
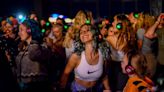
{"x":129,"y":68}
{"x":66,"y":27}
{"x":28,"y":31}
{"x":88,"y":21}
{"x":119,"y":26}
{"x":136,"y":15}
{"x":33,"y":29}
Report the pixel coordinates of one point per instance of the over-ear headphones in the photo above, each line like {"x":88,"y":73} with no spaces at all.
{"x":119,"y":26}
{"x":136,"y":15}
{"x":28,"y":31}
{"x":33,"y":29}
{"x":88,"y":21}
{"x":129,"y":68}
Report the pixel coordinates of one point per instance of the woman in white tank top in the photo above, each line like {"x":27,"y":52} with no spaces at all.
{"x":87,"y":63}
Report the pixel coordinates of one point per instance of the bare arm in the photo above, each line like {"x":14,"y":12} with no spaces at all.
{"x":140,"y":36}
{"x":112,"y":41}
{"x":151,"y":31}
{"x":106,"y":84}
{"x":69,"y":67}
{"x":105,"y":80}
{"x":140,"y":42}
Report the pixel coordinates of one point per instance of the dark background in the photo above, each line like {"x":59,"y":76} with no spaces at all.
{"x":100,"y":8}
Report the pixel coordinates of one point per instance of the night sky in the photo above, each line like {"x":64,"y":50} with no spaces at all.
{"x":70,"y":7}
{"x":8,"y":7}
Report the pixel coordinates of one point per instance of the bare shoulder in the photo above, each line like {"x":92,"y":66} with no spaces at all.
{"x":74,"y":59}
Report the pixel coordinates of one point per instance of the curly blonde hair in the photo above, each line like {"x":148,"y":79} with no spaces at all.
{"x":70,"y":35}
{"x":148,"y":21}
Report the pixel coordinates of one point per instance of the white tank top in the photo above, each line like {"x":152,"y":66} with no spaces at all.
{"x":87,"y":72}
{"x":116,"y":55}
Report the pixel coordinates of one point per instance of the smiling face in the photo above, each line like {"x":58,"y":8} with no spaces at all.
{"x":9,"y":28}
{"x":85,"y":34}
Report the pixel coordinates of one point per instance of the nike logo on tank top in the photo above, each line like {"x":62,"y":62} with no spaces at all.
{"x":87,"y":72}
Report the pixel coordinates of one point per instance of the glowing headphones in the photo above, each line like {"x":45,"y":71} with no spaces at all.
{"x":136,"y":15}
{"x":129,"y":68}
{"x":65,"y":27}
{"x":88,"y":21}
{"x":28,"y":23}
{"x":119,"y":26}
{"x":28,"y":31}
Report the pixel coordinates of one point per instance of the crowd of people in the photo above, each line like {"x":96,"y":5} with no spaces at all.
{"x":125,"y":55}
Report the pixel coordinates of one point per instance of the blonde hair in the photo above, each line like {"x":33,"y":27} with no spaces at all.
{"x":58,"y":26}
{"x":80,"y":18}
{"x":69,"y":37}
{"x":148,"y":21}
{"x":140,"y":21}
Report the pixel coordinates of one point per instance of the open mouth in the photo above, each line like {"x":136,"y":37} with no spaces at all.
{"x":85,"y":36}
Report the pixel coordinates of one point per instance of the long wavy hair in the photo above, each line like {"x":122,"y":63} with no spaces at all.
{"x":148,"y":21}
{"x":79,"y":46}
{"x":97,"y":43}
{"x":69,"y":37}
{"x":126,"y":35}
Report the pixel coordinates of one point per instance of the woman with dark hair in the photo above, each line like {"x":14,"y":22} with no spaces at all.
{"x":32,"y":59}
{"x":88,"y":63}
